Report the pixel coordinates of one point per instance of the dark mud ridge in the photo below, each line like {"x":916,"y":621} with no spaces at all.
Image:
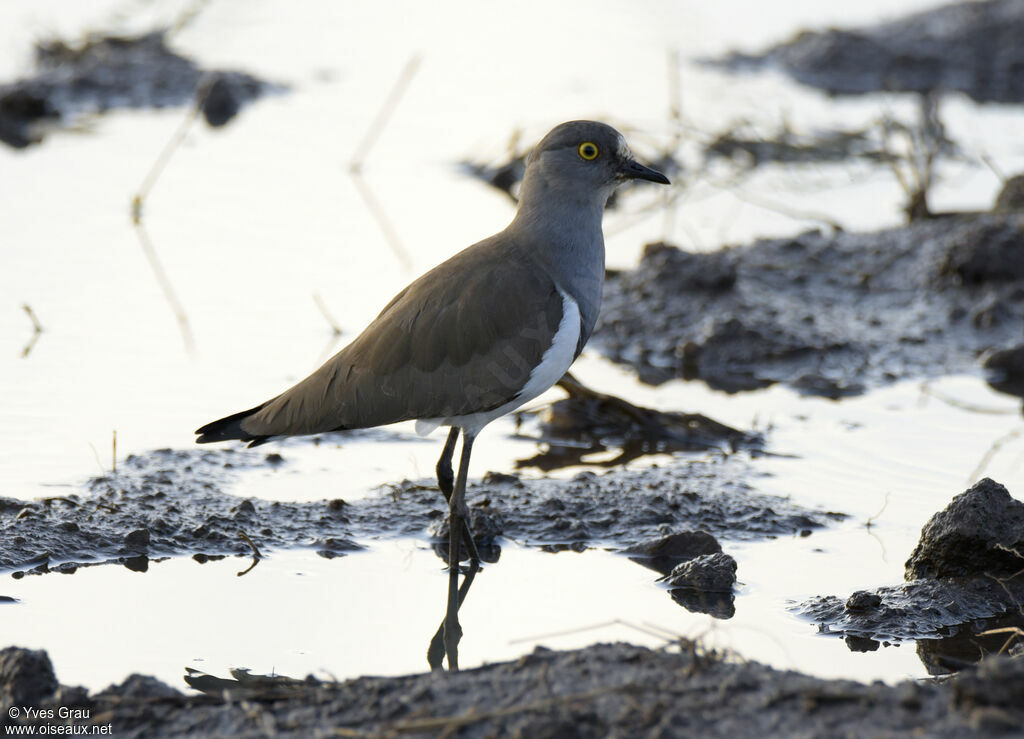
{"x":969,"y":47}
{"x":172,"y":503}
{"x":109,"y":72}
{"x":606,"y":690}
{"x":827,"y":314}
{"x":966,"y":576}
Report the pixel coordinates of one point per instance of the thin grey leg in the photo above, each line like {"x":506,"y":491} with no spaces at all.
{"x":456,"y":512}
{"x":445,"y":480}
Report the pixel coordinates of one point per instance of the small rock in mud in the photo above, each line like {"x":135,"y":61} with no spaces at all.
{"x":862,"y":600}
{"x":332,"y":547}
{"x":980,"y":533}
{"x":829,"y":314}
{"x":137,"y":539}
{"x":970,"y":47}
{"x":709,"y":573}
{"x":1005,"y":369}
{"x":986,"y":252}
{"x":108,"y":72}
{"x":704,"y":584}
{"x":26,"y":678}
{"x":963,"y":578}
{"x":1011,"y":196}
{"x":665,"y":553}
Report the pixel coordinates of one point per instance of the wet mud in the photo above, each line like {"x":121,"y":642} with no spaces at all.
{"x":828,"y":314}
{"x":965,"y":577}
{"x":605,"y":690}
{"x":968,"y":47}
{"x":104,"y":73}
{"x":172,"y":503}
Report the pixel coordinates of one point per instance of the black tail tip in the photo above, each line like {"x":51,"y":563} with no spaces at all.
{"x":230,"y":428}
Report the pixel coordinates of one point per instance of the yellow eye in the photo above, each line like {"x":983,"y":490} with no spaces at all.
{"x":589,"y":151}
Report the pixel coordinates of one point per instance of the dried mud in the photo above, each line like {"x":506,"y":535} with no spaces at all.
{"x":602,"y":691}
{"x":830,"y":315}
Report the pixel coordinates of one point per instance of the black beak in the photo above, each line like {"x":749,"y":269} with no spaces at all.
{"x":633,"y":170}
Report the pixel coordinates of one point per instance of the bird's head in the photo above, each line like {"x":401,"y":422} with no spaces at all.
{"x":588,"y":158}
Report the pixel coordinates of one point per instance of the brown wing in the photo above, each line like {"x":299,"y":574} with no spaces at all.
{"x":461,"y":339}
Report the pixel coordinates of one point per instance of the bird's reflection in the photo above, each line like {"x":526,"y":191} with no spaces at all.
{"x":437,"y":649}
{"x":588,"y":423}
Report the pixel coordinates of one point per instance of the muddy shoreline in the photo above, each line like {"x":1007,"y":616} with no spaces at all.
{"x":828,"y":314}
{"x":603,"y":690}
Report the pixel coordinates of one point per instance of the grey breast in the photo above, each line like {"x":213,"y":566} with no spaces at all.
{"x":461,"y":339}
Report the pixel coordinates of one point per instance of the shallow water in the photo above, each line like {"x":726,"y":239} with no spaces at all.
{"x":374,"y":613}
{"x":252,"y":221}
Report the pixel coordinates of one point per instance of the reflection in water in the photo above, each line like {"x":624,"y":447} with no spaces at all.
{"x":969,"y":644}
{"x":959,"y":648}
{"x":699,"y":574}
{"x":588,"y":422}
{"x":37,"y":330}
{"x":242,"y":683}
{"x":439,"y":644}
{"x":718,"y":605}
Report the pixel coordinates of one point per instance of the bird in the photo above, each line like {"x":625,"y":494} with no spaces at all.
{"x":477,"y":336}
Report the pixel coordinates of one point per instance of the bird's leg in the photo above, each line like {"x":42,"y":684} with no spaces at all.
{"x":445,"y":480}
{"x":456,"y":523}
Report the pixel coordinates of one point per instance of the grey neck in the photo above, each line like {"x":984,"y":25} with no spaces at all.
{"x":562,"y":232}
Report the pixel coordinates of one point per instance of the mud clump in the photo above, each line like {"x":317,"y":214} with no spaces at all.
{"x":1005,"y":369}
{"x":599,"y":691}
{"x":108,"y":72}
{"x":980,"y":532}
{"x":709,"y":573}
{"x":968,"y":47}
{"x":986,"y":252}
{"x":171,"y":503}
{"x":699,"y":575}
{"x":665,"y":553}
{"x":830,"y":315}
{"x":26,"y":677}
{"x":965,"y":576}
{"x":705,"y":584}
{"x":1011,"y":196}
{"x":160,"y":504}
